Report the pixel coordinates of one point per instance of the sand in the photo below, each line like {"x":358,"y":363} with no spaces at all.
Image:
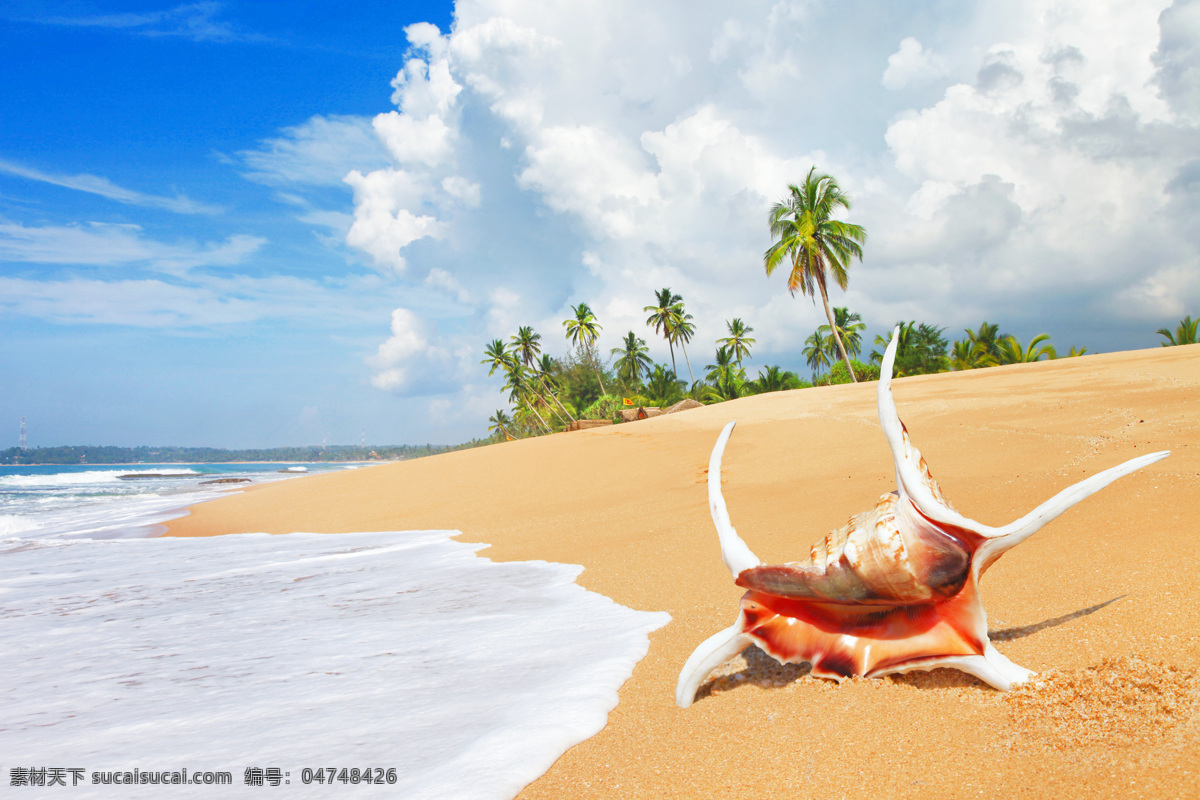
{"x":1104,"y":602}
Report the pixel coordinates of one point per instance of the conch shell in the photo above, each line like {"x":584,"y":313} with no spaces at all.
{"x":895,"y":589}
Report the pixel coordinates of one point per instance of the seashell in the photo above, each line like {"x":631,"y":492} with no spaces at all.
{"x":893,"y":590}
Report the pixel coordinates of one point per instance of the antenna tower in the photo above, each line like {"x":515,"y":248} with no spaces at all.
{"x":23,"y":445}
{"x":364,"y":438}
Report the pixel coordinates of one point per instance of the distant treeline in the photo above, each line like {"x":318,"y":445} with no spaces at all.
{"x":215,"y":455}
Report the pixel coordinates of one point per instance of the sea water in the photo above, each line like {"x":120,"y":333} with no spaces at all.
{"x":120,"y":501}
{"x":294,"y":660}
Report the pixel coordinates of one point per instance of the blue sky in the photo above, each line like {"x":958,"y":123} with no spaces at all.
{"x":225,"y":226}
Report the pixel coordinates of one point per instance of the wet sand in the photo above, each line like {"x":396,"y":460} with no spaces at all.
{"x":1104,"y":603}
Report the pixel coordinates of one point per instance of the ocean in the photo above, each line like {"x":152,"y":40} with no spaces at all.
{"x":395,"y":664}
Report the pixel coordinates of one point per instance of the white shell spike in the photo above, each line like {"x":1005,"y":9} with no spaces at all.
{"x":895,"y":589}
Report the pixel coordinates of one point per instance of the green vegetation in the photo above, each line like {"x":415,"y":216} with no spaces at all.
{"x":839,"y":374}
{"x":921,"y":349}
{"x":1184,"y":333}
{"x":549,"y":393}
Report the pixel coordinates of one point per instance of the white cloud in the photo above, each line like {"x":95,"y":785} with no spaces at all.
{"x":541,"y":156}
{"x":407,"y":363}
{"x":321,"y":151}
{"x":463,"y":190}
{"x":383,"y":227}
{"x":1049,"y":172}
{"x":912,"y":64}
{"x":105,"y":244}
{"x":94,"y":184}
{"x":203,"y":302}
{"x":196,"y":21}
{"x":441,"y":279}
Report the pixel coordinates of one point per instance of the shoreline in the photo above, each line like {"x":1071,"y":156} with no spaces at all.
{"x":196,"y":463}
{"x":1108,"y":580}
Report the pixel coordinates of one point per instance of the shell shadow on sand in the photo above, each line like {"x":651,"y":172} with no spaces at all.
{"x":754,"y":667}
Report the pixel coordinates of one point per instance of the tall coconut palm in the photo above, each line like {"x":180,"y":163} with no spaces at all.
{"x":816,"y":246}
{"x":526,"y":348}
{"x":634,"y":359}
{"x":663,"y":318}
{"x":1185,"y":332}
{"x":737,"y":341}
{"x":816,"y":351}
{"x":582,"y":331}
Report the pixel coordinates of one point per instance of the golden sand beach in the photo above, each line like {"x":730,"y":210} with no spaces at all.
{"x":1104,"y":603}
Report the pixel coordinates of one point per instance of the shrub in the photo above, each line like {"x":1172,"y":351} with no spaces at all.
{"x":838,"y":374}
{"x":607,"y":407}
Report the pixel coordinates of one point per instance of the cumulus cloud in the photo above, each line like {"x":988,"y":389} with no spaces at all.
{"x":541,"y":156}
{"x":391,"y":205}
{"x":407,"y":363}
{"x":912,"y":64}
{"x":1048,"y":173}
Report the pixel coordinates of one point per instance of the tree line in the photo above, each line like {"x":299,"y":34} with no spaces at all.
{"x":547,"y":393}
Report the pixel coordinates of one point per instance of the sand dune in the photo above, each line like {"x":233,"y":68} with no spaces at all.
{"x":1104,"y":603}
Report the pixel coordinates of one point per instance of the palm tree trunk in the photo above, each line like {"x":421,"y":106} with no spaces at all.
{"x":533,"y":408}
{"x":832,"y":327}
{"x":689,"y":363}
{"x":557,"y":402}
{"x":596,"y":369}
{"x":671,"y":347}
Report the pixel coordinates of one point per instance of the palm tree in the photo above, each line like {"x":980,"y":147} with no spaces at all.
{"x":987,"y":340}
{"x":1075,"y":352}
{"x":817,"y":246}
{"x":500,"y":423}
{"x":634,"y":360}
{"x":849,"y":327}
{"x":816,"y":351}
{"x":1013,"y":352}
{"x":1185,"y":332}
{"x":737,"y":341}
{"x":965,"y":355}
{"x":775,"y":379}
{"x":727,"y":377}
{"x":498,"y":356}
{"x":519,"y":393}
{"x":663,"y":387}
{"x":526,"y":348}
{"x":582,"y":332}
{"x":663,"y":318}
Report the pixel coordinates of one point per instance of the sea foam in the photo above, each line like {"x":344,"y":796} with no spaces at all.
{"x":389,"y":650}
